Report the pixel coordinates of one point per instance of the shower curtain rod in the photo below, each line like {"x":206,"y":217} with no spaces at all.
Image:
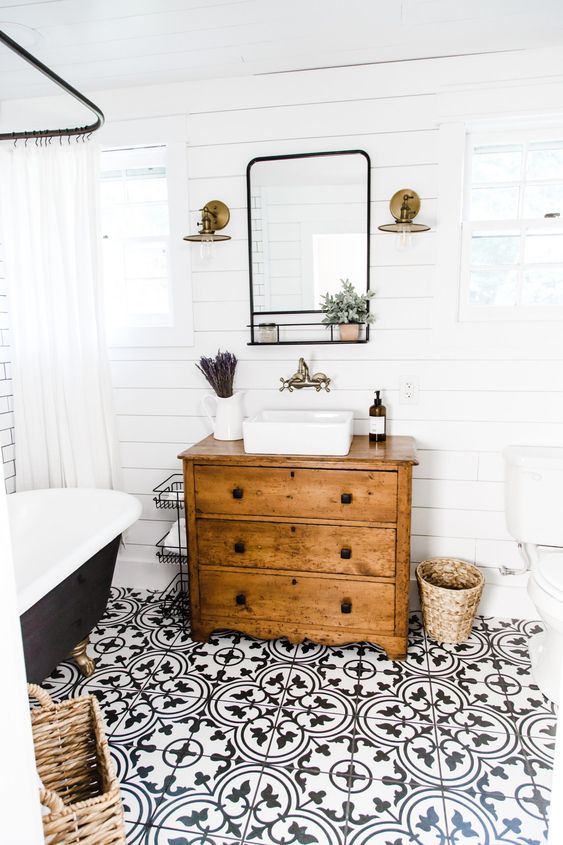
{"x":51,"y":133}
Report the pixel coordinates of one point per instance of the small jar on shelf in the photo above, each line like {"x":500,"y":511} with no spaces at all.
{"x":267,"y":332}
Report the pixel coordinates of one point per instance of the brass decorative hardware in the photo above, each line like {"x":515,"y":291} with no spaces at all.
{"x":214,"y":215}
{"x":84,"y":662}
{"x":404,"y":206}
{"x":302,"y":378}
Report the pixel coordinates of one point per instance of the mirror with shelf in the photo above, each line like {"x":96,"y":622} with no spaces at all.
{"x":308,"y":228}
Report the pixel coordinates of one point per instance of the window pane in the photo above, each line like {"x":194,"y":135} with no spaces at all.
{"x":494,"y":203}
{"x":142,"y":220}
{"x":493,"y":287}
{"x":147,"y":296}
{"x":495,"y":249}
{"x":545,"y":160}
{"x":151,"y":189}
{"x":145,"y":260}
{"x":112,"y":190}
{"x":543,"y":249}
{"x":540,"y":200}
{"x":497,"y":164}
{"x":543,"y":286}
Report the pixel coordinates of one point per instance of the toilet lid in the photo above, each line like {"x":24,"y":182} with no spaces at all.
{"x":549,"y":573}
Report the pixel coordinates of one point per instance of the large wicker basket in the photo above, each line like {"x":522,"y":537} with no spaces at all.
{"x":450,"y":591}
{"x":74,"y":764}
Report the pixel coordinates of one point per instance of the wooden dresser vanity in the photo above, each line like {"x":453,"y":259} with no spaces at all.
{"x":301,"y":546}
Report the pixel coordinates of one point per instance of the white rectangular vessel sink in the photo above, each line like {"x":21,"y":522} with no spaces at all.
{"x":298,"y":432}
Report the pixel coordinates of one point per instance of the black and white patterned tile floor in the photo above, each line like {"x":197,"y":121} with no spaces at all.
{"x":244,"y":742}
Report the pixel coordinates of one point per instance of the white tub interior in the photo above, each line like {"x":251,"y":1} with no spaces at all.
{"x":55,"y":531}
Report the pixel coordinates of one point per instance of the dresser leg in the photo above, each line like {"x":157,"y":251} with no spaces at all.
{"x":201,"y":633}
{"x":396,"y":655}
{"x":396,"y":647}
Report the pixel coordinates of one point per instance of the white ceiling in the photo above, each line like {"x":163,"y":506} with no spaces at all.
{"x":96,"y":44}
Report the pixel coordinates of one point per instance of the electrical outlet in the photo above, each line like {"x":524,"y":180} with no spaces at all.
{"x":408,"y":390}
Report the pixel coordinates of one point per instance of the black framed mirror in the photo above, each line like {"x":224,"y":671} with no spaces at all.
{"x":308,"y":228}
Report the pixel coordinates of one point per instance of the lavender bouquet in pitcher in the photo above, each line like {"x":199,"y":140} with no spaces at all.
{"x":227,"y":404}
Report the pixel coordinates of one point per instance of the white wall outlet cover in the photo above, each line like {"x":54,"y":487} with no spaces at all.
{"x":408,"y":390}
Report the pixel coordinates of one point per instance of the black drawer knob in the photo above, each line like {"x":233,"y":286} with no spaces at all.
{"x":239,"y":548}
{"x":238,"y":493}
{"x":346,"y":607}
{"x":346,"y":498}
{"x":241,"y":599}
{"x":345,"y":554}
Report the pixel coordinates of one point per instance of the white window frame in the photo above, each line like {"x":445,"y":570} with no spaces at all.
{"x":170,"y":132}
{"x":469,"y":312}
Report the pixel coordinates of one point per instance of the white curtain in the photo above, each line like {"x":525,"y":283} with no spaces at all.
{"x":65,"y":429}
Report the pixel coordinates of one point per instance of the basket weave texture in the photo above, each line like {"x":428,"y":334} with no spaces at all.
{"x":74,"y":764}
{"x":450,"y":591}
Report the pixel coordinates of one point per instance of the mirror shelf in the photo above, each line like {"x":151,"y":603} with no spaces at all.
{"x":308,"y":230}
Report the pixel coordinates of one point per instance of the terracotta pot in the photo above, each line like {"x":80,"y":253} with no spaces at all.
{"x":349,"y":331}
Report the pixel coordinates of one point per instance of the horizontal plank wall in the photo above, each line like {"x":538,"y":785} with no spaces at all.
{"x":474,"y":397}
{"x":470,"y":401}
{"x":7,"y":431}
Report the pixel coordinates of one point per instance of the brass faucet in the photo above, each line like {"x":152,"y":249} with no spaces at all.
{"x":302,"y":378}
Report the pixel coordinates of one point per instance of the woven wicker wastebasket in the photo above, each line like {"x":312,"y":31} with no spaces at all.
{"x":76,"y":770}
{"x":450,"y":591}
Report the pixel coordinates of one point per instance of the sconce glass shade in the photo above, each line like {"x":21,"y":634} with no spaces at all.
{"x":404,"y":206}
{"x":214,"y":215}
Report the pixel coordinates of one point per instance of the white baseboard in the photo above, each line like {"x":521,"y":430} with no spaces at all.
{"x":500,"y":598}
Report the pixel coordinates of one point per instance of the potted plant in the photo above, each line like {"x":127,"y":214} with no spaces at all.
{"x":220,"y":373}
{"x":347,"y":309}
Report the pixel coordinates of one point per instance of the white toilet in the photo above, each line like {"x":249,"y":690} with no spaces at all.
{"x":534,"y":516}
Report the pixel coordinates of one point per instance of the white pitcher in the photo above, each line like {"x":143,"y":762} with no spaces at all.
{"x":227,"y":422}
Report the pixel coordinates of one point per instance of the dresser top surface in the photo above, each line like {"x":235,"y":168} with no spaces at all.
{"x":393,"y":450}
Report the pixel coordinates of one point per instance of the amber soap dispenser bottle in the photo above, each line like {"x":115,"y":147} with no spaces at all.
{"x":377,"y":420}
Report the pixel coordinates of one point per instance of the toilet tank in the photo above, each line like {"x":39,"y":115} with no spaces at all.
{"x":533,"y":494}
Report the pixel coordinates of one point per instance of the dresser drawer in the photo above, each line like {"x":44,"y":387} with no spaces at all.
{"x":343,"y":549}
{"x":237,"y":597}
{"x":367,"y":495}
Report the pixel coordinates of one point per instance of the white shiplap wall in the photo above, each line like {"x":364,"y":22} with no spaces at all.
{"x":471,"y":399}
{"x":480,"y":388}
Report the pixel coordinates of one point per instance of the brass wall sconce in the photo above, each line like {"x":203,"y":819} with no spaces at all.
{"x":404,"y":206}
{"x":214,"y":216}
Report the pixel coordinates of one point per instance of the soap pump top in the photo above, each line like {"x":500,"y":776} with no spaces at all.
{"x":377,"y":400}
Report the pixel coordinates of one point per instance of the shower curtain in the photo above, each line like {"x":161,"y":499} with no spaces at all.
{"x":64,"y":423}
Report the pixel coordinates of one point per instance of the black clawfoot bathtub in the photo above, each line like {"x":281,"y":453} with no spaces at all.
{"x":65,"y":544}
